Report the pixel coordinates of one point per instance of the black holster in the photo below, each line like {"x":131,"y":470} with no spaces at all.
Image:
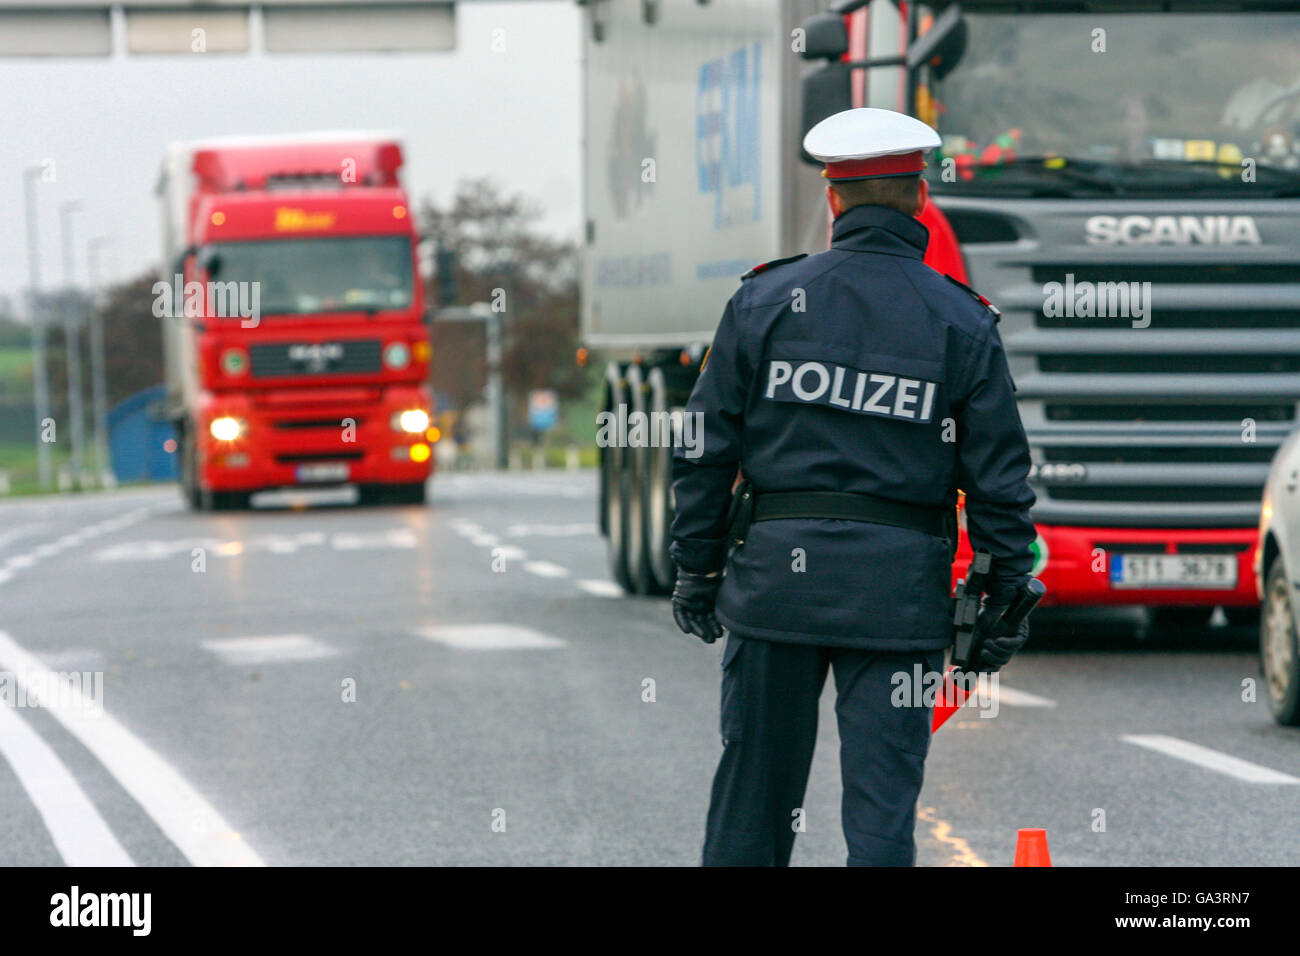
{"x":740,"y":513}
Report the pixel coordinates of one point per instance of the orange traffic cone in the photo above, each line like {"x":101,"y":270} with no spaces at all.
{"x":1031,"y":847}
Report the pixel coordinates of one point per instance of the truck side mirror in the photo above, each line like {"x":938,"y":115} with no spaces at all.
{"x":182,"y":257}
{"x":826,"y":90}
{"x":824,"y":37}
{"x":210,"y":262}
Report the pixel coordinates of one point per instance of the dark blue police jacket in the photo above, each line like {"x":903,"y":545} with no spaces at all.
{"x":857,"y":369}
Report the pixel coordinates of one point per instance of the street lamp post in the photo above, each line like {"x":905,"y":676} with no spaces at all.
{"x":72,"y":327}
{"x":98,"y":379}
{"x":40,"y":371}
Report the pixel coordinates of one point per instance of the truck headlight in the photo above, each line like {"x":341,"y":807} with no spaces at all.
{"x":397,"y":355}
{"x":226,"y":428}
{"x":413,"y":420}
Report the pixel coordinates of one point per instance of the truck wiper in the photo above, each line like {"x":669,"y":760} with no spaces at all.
{"x":1050,"y":168}
{"x":1205,"y":173}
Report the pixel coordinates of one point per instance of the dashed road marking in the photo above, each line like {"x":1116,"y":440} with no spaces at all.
{"x":79,"y":833}
{"x":578,"y":529}
{"x":392,"y":538}
{"x":607,"y":589}
{"x":1209,"y":759}
{"x":279,"y":544}
{"x":18,"y":532}
{"x":1018,"y":698}
{"x":546,"y":569}
{"x":49,"y":549}
{"x":490,"y":637}
{"x":181,"y":812}
{"x":270,"y":649}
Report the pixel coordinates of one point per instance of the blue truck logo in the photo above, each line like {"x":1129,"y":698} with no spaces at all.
{"x":727,"y":150}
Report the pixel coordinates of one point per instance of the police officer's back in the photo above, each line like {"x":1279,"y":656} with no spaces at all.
{"x":857,"y":390}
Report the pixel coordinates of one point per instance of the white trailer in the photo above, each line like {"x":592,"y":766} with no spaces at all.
{"x":692,"y":176}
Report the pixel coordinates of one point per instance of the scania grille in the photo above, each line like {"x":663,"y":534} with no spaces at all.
{"x":1172,"y":422}
{"x":287,"y":360}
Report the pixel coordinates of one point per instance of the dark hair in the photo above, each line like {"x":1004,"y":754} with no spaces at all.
{"x":897,"y":192}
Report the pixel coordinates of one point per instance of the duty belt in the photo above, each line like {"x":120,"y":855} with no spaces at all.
{"x":851,"y":506}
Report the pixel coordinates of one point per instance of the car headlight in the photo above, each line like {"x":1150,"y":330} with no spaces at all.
{"x":397,"y":355}
{"x":413,"y":420}
{"x":226,"y":428}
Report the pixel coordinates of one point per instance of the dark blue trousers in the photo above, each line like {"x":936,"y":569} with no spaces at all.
{"x":770,"y":694}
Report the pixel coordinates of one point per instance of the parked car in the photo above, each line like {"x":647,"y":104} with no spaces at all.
{"x":1277,"y":577}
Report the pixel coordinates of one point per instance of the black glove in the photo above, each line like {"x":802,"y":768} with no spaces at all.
{"x":694,"y":596}
{"x":998,"y":646}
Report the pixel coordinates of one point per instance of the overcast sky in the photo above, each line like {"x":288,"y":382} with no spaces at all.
{"x":513,"y":115}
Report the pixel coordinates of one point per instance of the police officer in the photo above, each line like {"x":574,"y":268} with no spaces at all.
{"x":856,"y":390}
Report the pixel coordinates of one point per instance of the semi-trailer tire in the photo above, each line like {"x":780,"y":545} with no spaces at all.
{"x":612,"y":521}
{"x":657,"y":491}
{"x":635,"y":467}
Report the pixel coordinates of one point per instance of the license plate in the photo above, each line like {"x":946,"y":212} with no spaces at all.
{"x":323,"y":471}
{"x":1210,"y":571}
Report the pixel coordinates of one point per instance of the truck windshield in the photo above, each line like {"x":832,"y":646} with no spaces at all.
{"x":1087,"y":104}
{"x":306,"y":276}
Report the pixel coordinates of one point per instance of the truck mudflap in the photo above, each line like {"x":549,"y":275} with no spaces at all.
{"x":1174,"y":567}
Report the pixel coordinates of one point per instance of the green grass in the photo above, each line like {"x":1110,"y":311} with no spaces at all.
{"x":15,"y":367}
{"x":18,"y":461}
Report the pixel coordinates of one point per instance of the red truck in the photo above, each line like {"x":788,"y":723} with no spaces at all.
{"x":296,"y":340}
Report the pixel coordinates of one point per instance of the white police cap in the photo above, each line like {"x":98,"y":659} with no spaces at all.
{"x":869,"y":143}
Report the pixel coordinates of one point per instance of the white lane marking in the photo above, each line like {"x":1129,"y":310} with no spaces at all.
{"x":18,"y":532}
{"x":269,"y":649}
{"x":550,"y":530}
{"x":185,"y":818}
{"x":392,"y":538}
{"x":607,"y":589}
{"x":73,"y":658}
{"x":79,"y":833}
{"x":1209,"y":759}
{"x":49,"y":549}
{"x":508,"y":552}
{"x":490,"y":637}
{"x":546,"y":569}
{"x":157,"y":550}
{"x":1018,"y":698}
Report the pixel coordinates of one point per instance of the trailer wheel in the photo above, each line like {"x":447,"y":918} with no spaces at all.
{"x":635,"y":468}
{"x":656,"y":493}
{"x":1279,"y":653}
{"x":612,"y":481}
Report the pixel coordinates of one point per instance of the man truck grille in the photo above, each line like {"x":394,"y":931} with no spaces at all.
{"x":287,"y":360}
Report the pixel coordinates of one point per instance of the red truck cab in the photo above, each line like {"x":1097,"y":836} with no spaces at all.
{"x":298,"y":347}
